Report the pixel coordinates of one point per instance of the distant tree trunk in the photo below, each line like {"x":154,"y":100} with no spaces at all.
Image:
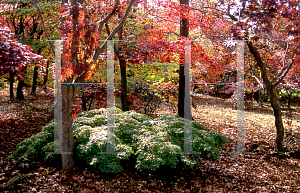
{"x":289,"y":102}
{"x":119,"y":52}
{"x":123,"y":74}
{"x":184,"y":31}
{"x":123,"y":85}
{"x":272,"y":95}
{"x":83,"y":102}
{"x":11,"y":85}
{"x":20,"y":95}
{"x":34,"y":80}
{"x":46,"y":73}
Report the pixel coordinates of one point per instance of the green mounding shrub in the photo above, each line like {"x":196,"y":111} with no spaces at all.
{"x":151,"y":142}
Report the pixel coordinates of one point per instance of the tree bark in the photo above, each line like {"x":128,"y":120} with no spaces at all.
{"x":67,"y":138}
{"x":34,"y":80}
{"x":20,"y":95}
{"x":11,"y":85}
{"x":272,"y":95}
{"x":46,"y":73}
{"x":123,"y":85}
{"x":119,"y":52}
{"x":122,"y":61}
{"x":21,"y":83}
{"x":184,"y":31}
{"x":67,"y":149}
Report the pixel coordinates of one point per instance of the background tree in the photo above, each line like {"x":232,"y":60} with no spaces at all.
{"x":25,"y":18}
{"x":14,"y":56}
{"x":258,"y":23}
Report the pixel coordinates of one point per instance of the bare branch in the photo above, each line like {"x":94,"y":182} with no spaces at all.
{"x":100,"y":49}
{"x":285,"y":73}
{"x":43,"y":23}
{"x":228,"y":13}
{"x":282,"y":75}
{"x":284,"y":66}
{"x":108,"y":33}
{"x":287,"y":47}
{"x":257,"y":79}
{"x":102,"y":22}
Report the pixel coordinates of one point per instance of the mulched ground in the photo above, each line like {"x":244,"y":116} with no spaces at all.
{"x":260,"y":170}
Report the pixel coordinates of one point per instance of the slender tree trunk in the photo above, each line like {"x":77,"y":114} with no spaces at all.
{"x":11,"y":85}
{"x":123,"y":85}
{"x":289,"y":102}
{"x":83,"y":102}
{"x":34,"y":80}
{"x":184,"y":31}
{"x":46,"y":73}
{"x":273,"y":99}
{"x":119,"y":52}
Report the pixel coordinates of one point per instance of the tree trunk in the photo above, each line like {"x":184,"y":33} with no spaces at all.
{"x":11,"y":85}
{"x":20,"y":95}
{"x":67,"y":148}
{"x":184,"y":31}
{"x":46,"y":73}
{"x":34,"y":80}
{"x":123,"y":85}
{"x":83,"y":102}
{"x":272,"y":95}
{"x":289,"y":102}
{"x":278,"y":119}
{"x":119,"y":52}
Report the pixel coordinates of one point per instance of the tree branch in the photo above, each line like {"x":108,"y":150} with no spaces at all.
{"x":41,"y":16}
{"x":228,"y":13}
{"x":285,"y":73}
{"x":259,"y":82}
{"x":282,"y":75}
{"x":108,"y":33}
{"x":105,"y":20}
{"x":100,"y":49}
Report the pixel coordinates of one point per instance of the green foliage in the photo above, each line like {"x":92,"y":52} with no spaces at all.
{"x":153,"y":73}
{"x":151,"y":142}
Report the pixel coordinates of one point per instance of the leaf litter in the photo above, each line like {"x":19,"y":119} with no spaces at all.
{"x":259,"y":170}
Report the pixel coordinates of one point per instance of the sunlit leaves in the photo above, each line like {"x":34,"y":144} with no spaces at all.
{"x":80,"y":37}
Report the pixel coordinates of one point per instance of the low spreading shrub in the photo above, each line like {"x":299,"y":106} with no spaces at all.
{"x":150,"y":142}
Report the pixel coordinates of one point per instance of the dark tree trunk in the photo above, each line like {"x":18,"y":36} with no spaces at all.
{"x":83,"y":102}
{"x":34,"y":80}
{"x":184,"y":31}
{"x":20,"y":95}
{"x":11,"y":85}
{"x":119,"y":52}
{"x":181,"y":91}
{"x":123,"y":86}
{"x":289,"y":102}
{"x":272,"y":95}
{"x":46,"y":73}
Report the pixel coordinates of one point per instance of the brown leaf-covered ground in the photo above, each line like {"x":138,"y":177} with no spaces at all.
{"x":259,"y":170}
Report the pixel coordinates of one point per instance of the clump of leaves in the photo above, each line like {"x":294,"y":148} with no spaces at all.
{"x":151,"y":142}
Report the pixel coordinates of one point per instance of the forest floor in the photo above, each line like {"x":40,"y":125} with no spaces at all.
{"x":260,"y":169}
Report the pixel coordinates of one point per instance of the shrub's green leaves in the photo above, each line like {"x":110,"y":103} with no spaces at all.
{"x":152,"y":142}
